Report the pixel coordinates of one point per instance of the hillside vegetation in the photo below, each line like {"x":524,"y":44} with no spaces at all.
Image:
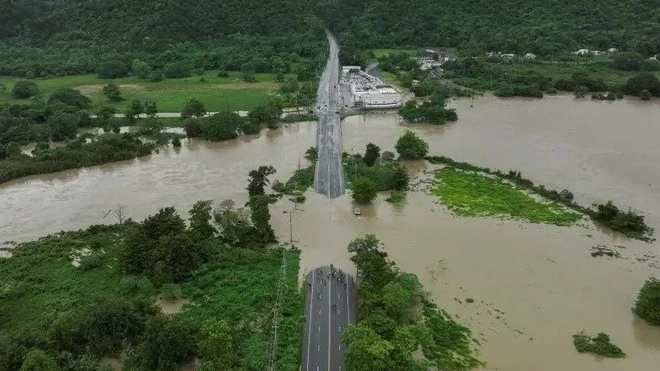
{"x":41,"y":38}
{"x":74,"y":36}
{"x":511,"y":26}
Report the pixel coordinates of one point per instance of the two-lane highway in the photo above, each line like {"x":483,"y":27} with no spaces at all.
{"x":330,"y":308}
{"x":329,"y":173}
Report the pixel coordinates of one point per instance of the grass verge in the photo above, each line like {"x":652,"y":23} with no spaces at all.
{"x":472,"y":194}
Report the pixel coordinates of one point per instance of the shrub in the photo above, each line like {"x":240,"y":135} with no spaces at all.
{"x":193,"y":128}
{"x":175,"y":70}
{"x":647,"y":305}
{"x":364,"y":190}
{"x":70,"y":97}
{"x":176,"y":142}
{"x":24,"y":89}
{"x":643,"y":81}
{"x":645,"y":94}
{"x":411,"y":147}
{"x":156,"y":76}
{"x":599,"y":345}
{"x":113,"y":69}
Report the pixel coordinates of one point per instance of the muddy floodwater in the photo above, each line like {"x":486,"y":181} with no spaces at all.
{"x":533,"y":286}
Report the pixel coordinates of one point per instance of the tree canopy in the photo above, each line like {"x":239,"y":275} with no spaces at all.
{"x":411,"y":147}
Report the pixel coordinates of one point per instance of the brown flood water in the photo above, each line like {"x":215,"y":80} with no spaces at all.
{"x":533,"y":285}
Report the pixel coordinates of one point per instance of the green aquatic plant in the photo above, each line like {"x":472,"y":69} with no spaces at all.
{"x":473,"y":194}
{"x":599,"y":345}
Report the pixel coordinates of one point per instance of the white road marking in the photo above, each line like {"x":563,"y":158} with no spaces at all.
{"x":348,"y":308}
{"x":309,"y":330}
{"x":329,"y":324}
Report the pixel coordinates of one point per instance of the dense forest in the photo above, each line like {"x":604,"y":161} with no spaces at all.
{"x":39,"y":38}
{"x":511,"y":26}
{"x":42,"y":38}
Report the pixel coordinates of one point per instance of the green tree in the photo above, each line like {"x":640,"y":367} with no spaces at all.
{"x":645,"y":94}
{"x":366,"y":350}
{"x":647,"y":305}
{"x":264,"y":115}
{"x":141,"y":69}
{"x":261,"y":218}
{"x":643,"y":81}
{"x":374,"y":269}
{"x":175,"y":70}
{"x":166,"y":344}
{"x":372,"y":154}
{"x":628,"y":61}
{"x":400,"y":178}
{"x":364,"y":190}
{"x":235,"y":226}
{"x":106,"y":113}
{"x":411,"y":147}
{"x":192,"y":128}
{"x":70,"y":97}
{"x":216,"y":349}
{"x":62,"y":126}
{"x":111,"y":324}
{"x":156,"y":76}
{"x":112,"y":69}
{"x":112,"y":92}
{"x":200,"y":221}
{"x":279,"y":76}
{"x":258,"y":180}
{"x":150,"y":108}
{"x":24,"y":89}
{"x":289,"y":87}
{"x":193,"y":108}
{"x":38,"y":360}
{"x":134,"y":110}
{"x":221,"y":126}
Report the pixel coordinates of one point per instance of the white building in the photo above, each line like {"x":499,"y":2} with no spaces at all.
{"x":530,"y":56}
{"x":368,"y":91}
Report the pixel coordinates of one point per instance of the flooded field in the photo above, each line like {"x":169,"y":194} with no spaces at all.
{"x":533,"y":286}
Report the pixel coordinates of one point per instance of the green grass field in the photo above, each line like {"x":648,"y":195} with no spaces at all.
{"x":230,"y":93}
{"x":471,"y":194}
{"x":381,"y":52}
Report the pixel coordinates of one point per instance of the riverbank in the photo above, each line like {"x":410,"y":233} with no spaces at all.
{"x":599,"y":150}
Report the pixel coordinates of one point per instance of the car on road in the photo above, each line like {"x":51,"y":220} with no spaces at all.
{"x":357,"y":211}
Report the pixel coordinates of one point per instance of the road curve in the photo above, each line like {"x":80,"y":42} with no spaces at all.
{"x":329,"y":309}
{"x":329,"y":173}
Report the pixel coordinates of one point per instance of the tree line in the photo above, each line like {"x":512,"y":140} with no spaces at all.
{"x":510,"y":26}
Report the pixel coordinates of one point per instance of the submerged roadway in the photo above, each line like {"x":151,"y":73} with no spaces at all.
{"x":329,"y":309}
{"x":329,"y":173}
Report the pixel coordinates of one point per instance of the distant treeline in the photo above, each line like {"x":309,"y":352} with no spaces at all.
{"x":510,"y":26}
{"x":75,"y":37}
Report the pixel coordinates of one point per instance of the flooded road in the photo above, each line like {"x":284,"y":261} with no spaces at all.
{"x":533,"y":286}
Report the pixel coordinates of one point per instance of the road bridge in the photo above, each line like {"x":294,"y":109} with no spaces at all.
{"x":329,"y":173}
{"x":329,"y":309}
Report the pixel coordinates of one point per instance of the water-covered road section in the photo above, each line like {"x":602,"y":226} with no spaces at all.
{"x":329,"y":174}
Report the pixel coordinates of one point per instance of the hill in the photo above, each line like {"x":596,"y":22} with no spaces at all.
{"x":542,"y":27}
{"x":70,"y":36}
{"x":63,"y":37}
